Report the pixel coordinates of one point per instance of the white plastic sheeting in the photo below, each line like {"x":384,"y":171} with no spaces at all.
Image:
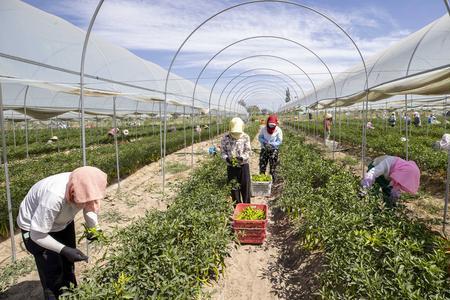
{"x":43,"y":52}
{"x":419,"y":64}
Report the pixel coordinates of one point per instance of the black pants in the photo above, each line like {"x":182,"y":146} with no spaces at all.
{"x":385,"y":186}
{"x":55,"y":271}
{"x":268,"y":156}
{"x":242,"y":188}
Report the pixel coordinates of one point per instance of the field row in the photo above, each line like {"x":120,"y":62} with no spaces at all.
{"x":370,"y":251}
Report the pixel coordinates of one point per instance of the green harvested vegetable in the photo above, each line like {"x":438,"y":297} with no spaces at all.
{"x":251,"y":213}
{"x":93,"y":234}
{"x":261,"y":177}
{"x":234,"y":162}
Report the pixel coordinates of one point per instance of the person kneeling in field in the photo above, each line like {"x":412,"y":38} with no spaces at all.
{"x":236,"y":150}
{"x":46,"y":218}
{"x":394,"y":175}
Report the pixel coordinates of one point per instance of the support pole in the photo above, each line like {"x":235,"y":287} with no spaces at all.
{"x":116,"y":144}
{"x":7,"y":182}
{"x":184,"y":130}
{"x":444,"y":220}
{"x":14,"y":131}
{"x":406,"y":127}
{"x":26,"y":120}
{"x":161,"y":142}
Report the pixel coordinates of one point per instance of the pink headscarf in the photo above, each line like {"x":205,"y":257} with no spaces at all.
{"x":87,"y":185}
{"x":405,"y":175}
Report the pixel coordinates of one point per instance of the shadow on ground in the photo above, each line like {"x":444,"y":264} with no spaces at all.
{"x":293,"y":272}
{"x":30,"y":290}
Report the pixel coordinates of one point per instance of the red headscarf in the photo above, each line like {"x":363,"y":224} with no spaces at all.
{"x":274,"y":120}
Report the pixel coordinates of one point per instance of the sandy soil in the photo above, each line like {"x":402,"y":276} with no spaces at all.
{"x":275,"y":270}
{"x":138,"y":193}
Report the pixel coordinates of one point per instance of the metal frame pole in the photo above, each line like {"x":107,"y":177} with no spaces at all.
{"x":116,"y":144}
{"x":184,"y":131}
{"x":7,"y":181}
{"x":444,"y":219}
{"x":26,"y":120}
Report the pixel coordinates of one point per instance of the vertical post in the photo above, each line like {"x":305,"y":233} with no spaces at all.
{"x":7,"y":182}
{"x":340,"y":125}
{"x":83,"y":59}
{"x":444,"y":221}
{"x":116,"y":145}
{"x":26,"y":120}
{"x":184,"y":130}
{"x":406,"y":127}
{"x":161,"y":142}
{"x":14,"y":130}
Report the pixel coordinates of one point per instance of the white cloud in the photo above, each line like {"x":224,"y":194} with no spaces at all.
{"x":160,"y":25}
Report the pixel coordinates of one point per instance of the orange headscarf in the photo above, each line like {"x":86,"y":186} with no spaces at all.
{"x":87,"y":185}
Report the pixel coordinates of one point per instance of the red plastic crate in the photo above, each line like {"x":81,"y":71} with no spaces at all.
{"x":250,"y":231}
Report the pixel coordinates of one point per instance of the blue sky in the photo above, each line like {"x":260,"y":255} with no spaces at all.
{"x":154,"y":29}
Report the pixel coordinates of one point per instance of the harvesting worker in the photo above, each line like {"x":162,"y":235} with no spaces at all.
{"x":46,"y":218}
{"x":394,"y":175}
{"x":270,"y":137}
{"x":392,"y":120}
{"x":236,"y":150}
{"x":327,"y":122}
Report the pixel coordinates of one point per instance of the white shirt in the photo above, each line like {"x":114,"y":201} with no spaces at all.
{"x":45,"y":209}
{"x":275,"y":139}
{"x":382,"y":166}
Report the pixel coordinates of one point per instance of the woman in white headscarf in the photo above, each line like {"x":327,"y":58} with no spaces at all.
{"x":236,"y":150}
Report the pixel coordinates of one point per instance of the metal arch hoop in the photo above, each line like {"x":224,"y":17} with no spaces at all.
{"x":245,"y":88}
{"x":257,"y":2}
{"x":251,"y":89}
{"x":243,"y":59}
{"x":257,"y":75}
{"x":262,"y":55}
{"x":257,"y":91}
{"x":256,"y":69}
{"x":253,"y":93}
{"x":252,"y":38}
{"x":253,"y":85}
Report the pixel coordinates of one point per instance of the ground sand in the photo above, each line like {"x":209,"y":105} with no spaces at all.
{"x":278,"y":269}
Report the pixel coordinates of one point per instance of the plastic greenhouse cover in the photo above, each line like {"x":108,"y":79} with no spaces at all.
{"x":43,"y":51}
{"x":418,"y":64}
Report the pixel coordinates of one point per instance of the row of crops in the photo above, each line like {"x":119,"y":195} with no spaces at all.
{"x":69,"y":138}
{"x":169,"y":254}
{"x":388,"y":140}
{"x":24,"y":173}
{"x":370,"y":252}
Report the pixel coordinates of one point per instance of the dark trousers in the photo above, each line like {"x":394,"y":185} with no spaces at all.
{"x":268,"y":156}
{"x":242,"y":186}
{"x":55,"y":271}
{"x":385,"y":188}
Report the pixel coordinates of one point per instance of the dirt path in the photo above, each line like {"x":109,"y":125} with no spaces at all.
{"x":275,"y":270}
{"x":138,"y":193}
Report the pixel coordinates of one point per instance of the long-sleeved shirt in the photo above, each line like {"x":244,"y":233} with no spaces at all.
{"x":382,"y":167}
{"x":240,"y":148}
{"x":45,"y":210}
{"x":275,"y":139}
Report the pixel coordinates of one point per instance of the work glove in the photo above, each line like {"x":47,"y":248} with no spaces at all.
{"x":228,"y":160}
{"x":362,"y":193}
{"x":73,"y":254}
{"x":240,"y":159}
{"x":366,"y":183}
